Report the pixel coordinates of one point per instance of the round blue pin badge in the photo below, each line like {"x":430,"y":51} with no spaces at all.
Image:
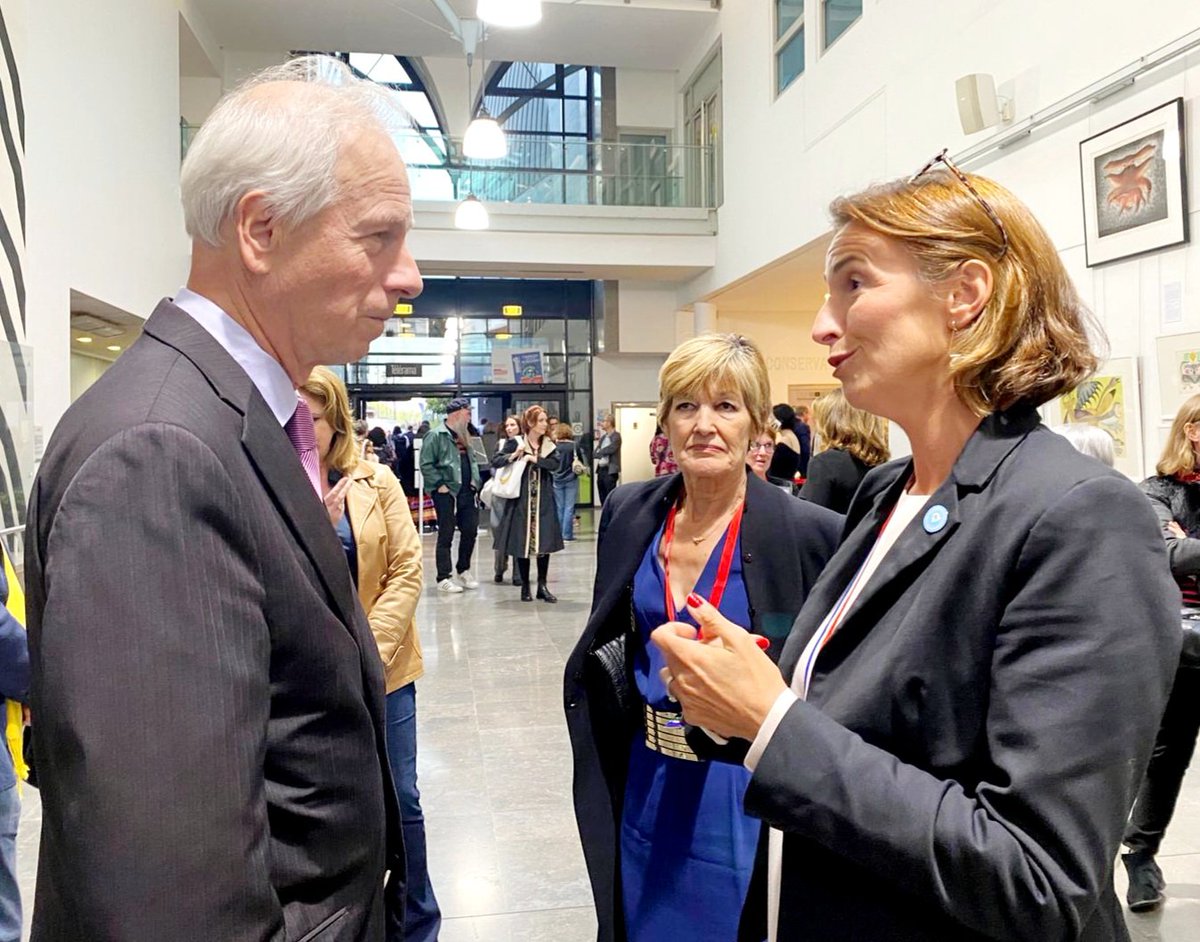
{"x":935,"y":518}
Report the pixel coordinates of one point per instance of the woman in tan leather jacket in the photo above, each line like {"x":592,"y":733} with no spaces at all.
{"x":371,"y":515}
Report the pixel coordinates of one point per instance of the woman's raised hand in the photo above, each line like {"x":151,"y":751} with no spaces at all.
{"x":727,"y":684}
{"x":335,"y":500}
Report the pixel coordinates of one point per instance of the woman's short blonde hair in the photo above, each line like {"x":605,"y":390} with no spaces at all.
{"x":1179,"y":457}
{"x":840,"y":425}
{"x":1031,"y":340}
{"x":770,"y":430}
{"x":717,"y":363}
{"x":329,"y":393}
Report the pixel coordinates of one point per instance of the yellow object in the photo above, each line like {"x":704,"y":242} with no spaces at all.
{"x":14,"y":725}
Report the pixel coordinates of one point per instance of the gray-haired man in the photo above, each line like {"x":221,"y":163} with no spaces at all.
{"x":208,"y":695}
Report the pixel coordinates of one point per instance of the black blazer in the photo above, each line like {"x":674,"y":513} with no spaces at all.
{"x":785,"y":543}
{"x":977,"y":727}
{"x":833,"y":477}
{"x":209,"y":696}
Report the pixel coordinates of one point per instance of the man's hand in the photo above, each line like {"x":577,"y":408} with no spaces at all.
{"x":725,"y":684}
{"x":335,"y":500}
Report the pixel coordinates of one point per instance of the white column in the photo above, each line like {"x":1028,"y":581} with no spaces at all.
{"x":705,"y":314}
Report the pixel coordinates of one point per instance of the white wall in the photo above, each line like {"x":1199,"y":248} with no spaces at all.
{"x":624,"y":378}
{"x":197,"y":97}
{"x":647,"y":99}
{"x":646,"y":313}
{"x":881,"y":101}
{"x":85,"y":370}
{"x":102,"y":170}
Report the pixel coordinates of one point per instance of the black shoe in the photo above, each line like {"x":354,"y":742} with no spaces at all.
{"x":516,"y":580}
{"x":1146,"y":882}
{"x":526,"y":596}
{"x":544,"y":594}
{"x":498,"y":578}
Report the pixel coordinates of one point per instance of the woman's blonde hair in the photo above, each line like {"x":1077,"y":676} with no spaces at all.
{"x":1030,"y":341}
{"x":1178,"y":455}
{"x":771,"y":430}
{"x":329,"y":393}
{"x":841,"y":425}
{"x":715,"y":363}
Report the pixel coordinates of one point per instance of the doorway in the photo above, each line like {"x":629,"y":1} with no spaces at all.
{"x":636,"y":422}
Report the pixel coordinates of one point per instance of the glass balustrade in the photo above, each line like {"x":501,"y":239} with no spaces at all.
{"x":551,"y":171}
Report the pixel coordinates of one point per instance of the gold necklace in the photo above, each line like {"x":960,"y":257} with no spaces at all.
{"x":722,"y":521}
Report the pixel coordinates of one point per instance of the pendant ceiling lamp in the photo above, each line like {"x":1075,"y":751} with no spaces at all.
{"x":471,"y":214}
{"x":510,"y":13}
{"x":483,"y":139}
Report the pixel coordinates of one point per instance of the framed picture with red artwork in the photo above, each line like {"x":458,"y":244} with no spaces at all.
{"x":1134,"y":180}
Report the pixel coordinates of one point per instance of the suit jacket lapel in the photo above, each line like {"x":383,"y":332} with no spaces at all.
{"x":870,"y":509}
{"x":269,"y":449}
{"x":273,"y":455}
{"x":981,"y":457}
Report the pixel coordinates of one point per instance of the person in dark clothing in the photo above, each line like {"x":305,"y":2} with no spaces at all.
{"x":786,"y":459}
{"x":607,"y":456}
{"x":1175,"y":496}
{"x":804,"y":436}
{"x":452,"y":477}
{"x":566,"y":481}
{"x":530,"y":524}
{"x":852,"y":443}
{"x":506,"y":445}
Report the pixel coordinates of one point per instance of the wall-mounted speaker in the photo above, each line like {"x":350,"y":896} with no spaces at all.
{"x":978,"y":106}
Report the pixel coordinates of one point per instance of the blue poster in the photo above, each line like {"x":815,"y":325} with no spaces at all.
{"x":527,"y":367}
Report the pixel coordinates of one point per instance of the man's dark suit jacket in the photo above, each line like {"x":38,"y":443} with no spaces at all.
{"x":977,"y":727}
{"x":785,"y":543}
{"x":208,"y":698}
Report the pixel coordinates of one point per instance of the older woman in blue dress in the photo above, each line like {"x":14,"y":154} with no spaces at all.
{"x":649,"y":809}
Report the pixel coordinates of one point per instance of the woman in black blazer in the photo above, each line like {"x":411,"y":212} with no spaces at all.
{"x":852,"y":443}
{"x":950,"y":745}
{"x":668,"y":850}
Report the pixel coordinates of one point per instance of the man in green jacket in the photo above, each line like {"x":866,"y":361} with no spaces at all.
{"x":452,"y":479}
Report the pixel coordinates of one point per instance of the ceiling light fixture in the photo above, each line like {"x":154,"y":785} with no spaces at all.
{"x":113,"y":348}
{"x":471,"y":214}
{"x":84,"y":339}
{"x":510,"y":13}
{"x":483,"y":139}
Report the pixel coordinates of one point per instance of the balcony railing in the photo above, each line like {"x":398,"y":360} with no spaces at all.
{"x":554,"y":171}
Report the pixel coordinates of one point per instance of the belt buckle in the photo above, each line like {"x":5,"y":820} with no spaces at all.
{"x":665,"y":734}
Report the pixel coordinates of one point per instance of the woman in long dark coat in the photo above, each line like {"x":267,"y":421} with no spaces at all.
{"x":530,"y":524}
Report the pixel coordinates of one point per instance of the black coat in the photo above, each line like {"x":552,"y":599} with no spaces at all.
{"x":833,"y":477}
{"x":210,"y":699}
{"x":976,"y":729}
{"x":785,"y":543}
{"x":529,"y":525}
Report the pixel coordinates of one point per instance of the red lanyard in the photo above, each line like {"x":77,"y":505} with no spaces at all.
{"x":718,"y":589}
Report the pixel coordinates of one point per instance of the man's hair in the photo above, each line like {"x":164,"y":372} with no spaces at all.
{"x":286,"y":146}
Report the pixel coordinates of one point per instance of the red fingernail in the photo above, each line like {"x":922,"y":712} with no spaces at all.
{"x":694,"y":600}
{"x":763,"y":643}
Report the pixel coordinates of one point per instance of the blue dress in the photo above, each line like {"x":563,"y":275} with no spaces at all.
{"x":687,"y":848}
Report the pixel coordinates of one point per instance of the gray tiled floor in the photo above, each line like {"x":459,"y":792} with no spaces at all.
{"x":495,"y":770}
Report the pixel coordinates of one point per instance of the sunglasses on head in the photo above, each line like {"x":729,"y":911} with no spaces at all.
{"x":944,"y":159}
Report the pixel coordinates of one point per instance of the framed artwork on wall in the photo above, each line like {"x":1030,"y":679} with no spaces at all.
{"x":1111,"y":401}
{"x":1178,"y":372}
{"x":1134,"y":180}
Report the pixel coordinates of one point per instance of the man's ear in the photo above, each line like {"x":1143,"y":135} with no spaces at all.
{"x":968,"y":291}
{"x":256,"y":231}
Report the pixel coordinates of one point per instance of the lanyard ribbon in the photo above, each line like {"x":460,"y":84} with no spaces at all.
{"x":718,"y":589}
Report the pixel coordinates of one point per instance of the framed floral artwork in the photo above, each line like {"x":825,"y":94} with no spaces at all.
{"x":1135,"y":186}
{"x":1109,"y":400}
{"x":1178,"y":372}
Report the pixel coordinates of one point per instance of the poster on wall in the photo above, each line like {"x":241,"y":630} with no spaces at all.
{"x":1178,"y":372}
{"x":527,"y":367}
{"x":1110,"y":401}
{"x":1134,"y":180}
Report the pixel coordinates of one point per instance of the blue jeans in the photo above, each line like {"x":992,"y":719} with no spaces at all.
{"x":566,"y":495}
{"x":10,"y":892}
{"x":422,"y":918}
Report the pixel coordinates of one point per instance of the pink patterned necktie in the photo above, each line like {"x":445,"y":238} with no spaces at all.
{"x":300,"y":433}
